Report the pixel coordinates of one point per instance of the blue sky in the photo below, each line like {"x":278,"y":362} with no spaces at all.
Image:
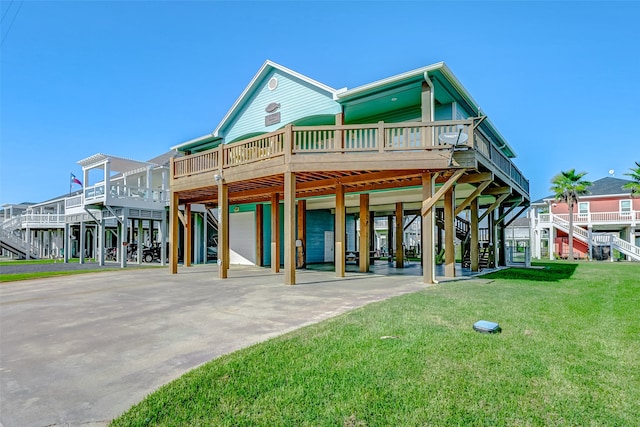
{"x":560,"y":80}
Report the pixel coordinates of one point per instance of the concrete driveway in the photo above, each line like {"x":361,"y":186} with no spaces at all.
{"x":80,"y":350}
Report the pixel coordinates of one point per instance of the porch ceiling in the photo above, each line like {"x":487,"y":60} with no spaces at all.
{"x":311,"y":185}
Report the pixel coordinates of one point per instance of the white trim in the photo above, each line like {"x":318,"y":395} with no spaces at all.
{"x":263,"y":70}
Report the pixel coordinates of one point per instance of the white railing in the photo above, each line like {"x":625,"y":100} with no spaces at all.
{"x":43,"y":219}
{"x":73,"y":202}
{"x":119,"y":191}
{"x":596,"y":238}
{"x":618,"y":243}
{"x":18,"y":244}
{"x":12,"y":223}
{"x":626,"y":218}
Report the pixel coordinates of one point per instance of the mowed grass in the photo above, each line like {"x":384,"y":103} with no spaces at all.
{"x":569,"y":354}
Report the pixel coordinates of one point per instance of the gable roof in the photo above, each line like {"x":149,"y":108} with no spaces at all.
{"x":608,"y":186}
{"x":266,"y":68}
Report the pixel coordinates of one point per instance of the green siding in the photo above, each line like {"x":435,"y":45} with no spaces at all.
{"x":297,"y":98}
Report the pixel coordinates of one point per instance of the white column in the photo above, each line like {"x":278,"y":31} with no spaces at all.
{"x":162,"y":237}
{"x":140,"y":241}
{"x":81,"y":243}
{"x":122,"y":237}
{"x":66,"y":245}
{"x":551,"y":242}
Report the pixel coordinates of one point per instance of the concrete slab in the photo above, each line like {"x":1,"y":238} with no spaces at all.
{"x":82,"y":349}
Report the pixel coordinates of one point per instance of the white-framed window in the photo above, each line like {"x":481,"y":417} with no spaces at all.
{"x":583,"y":208}
{"x":625,"y":207}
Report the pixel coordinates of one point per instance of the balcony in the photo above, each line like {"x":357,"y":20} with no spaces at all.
{"x":118,"y":195}
{"x":381,"y":145}
{"x":631,"y":218}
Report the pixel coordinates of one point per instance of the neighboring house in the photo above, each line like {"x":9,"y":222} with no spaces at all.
{"x":606,"y":224}
{"x":300,"y":173}
{"x":121,"y":208}
{"x":518,"y":242}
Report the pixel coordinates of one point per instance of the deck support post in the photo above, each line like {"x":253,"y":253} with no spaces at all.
{"x":340,"y":231}
{"x":67,"y":242}
{"x":289,"y":228}
{"x":140,"y":241}
{"x":275,"y":233}
{"x":399,"y":236}
{"x":474,"y":249}
{"x":302,"y":234}
{"x":223,"y":229}
{"x":449,"y":233}
{"x":173,"y":232}
{"x":365,"y":237}
{"x":101,"y":242}
{"x":428,"y":256}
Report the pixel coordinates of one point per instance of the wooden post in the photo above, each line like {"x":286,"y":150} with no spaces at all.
{"x":302,"y":234}
{"x":289,"y":228}
{"x":259,"y":235}
{"x":449,"y":234}
{"x":340,"y":231}
{"x":428,"y":261}
{"x":399,"y":236}
{"x":223,"y":229}
{"x":339,"y":135}
{"x":275,"y":233}
{"x":474,"y":252}
{"x":188,"y":222}
{"x":173,"y":232}
{"x":364,"y":232}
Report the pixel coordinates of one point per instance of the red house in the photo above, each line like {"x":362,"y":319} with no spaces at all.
{"x":606,"y":224}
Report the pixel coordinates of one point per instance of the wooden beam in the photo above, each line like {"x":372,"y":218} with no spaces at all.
{"x":472,"y":197}
{"x":399,"y":236}
{"x":340,"y":233}
{"x":364,"y":233}
{"x":428,"y":204}
{"x":496,"y":191}
{"x":428,"y":255}
{"x":173,"y":232}
{"x":289,"y":228}
{"x":494,"y":205}
{"x":275,"y":232}
{"x":183,"y":220}
{"x":524,"y":208}
{"x":474,"y":252}
{"x":505,"y":214}
{"x":476,"y":177}
{"x":449,"y":233}
{"x":223,"y":230}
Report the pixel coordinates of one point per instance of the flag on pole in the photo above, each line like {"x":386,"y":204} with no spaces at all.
{"x":75,"y":180}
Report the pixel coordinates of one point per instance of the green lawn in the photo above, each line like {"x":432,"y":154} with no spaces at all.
{"x":569,"y":354}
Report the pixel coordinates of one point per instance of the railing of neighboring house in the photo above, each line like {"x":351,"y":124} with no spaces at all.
{"x":73,"y":202}
{"x":41,"y":219}
{"x":599,"y":217}
{"x":120,"y":191}
{"x":94,"y":192}
{"x":12,"y":223}
{"x":366,"y":138}
{"x":19,"y":243}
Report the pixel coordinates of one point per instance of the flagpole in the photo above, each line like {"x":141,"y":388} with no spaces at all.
{"x":70,"y":183}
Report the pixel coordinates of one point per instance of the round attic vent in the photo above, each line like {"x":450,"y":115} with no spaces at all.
{"x":273,"y":83}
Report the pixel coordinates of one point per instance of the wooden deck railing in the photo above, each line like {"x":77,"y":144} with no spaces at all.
{"x":379,"y":137}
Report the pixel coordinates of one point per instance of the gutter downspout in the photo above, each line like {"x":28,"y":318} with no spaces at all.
{"x":433,"y":96}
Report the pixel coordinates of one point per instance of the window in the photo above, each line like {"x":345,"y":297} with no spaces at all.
{"x":583,"y":208}
{"x":625,"y":207}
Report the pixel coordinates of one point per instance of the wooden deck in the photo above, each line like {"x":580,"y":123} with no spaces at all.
{"x":299,"y":162}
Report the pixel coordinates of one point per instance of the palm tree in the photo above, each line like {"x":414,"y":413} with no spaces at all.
{"x":567,"y":187}
{"x":635,"y":185}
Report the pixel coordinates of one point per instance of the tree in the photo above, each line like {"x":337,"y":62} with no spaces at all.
{"x":567,"y":187}
{"x":635,"y":185}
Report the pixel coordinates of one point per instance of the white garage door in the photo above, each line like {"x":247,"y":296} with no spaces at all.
{"x":242,"y":238}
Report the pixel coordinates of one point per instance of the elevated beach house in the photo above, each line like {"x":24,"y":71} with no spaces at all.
{"x":295,"y":164}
